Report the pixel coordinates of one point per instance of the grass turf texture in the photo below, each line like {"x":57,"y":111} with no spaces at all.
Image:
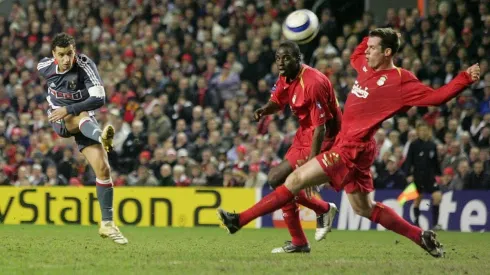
{"x":29,"y":249}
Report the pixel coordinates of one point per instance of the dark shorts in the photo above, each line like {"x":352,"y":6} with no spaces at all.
{"x":426,"y":187}
{"x":81,"y":140}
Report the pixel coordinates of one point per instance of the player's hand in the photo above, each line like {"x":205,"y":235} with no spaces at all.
{"x":410,"y":179}
{"x":259,"y":113}
{"x":58,"y":114}
{"x":300,"y":162}
{"x":474,"y":72}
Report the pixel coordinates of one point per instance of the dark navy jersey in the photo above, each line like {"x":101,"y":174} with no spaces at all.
{"x":73,"y":86}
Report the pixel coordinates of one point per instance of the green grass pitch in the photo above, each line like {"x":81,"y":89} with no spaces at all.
{"x":28,"y":249}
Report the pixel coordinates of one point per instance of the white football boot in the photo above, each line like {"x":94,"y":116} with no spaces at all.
{"x":109,"y":230}
{"x":324,"y":222}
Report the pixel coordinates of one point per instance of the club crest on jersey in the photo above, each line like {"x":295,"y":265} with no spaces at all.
{"x":359,"y":91}
{"x":318,"y":105}
{"x":72,"y":84}
{"x":274,"y":88}
{"x":381,"y":81}
{"x":364,"y":69}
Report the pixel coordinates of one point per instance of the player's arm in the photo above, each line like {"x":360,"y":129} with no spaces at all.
{"x":316,"y":143}
{"x":414,"y":93}
{"x":358,"y":56}
{"x":44,"y":65}
{"x":320,"y":114}
{"x":268,"y":109}
{"x":93,"y":83}
{"x":279,"y":99}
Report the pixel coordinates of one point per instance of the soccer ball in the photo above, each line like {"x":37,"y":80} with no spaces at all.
{"x":301,"y":26}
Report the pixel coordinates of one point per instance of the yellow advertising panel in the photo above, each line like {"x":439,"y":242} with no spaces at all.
{"x":139,"y":206}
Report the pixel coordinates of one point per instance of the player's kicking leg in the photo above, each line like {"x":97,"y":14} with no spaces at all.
{"x":93,"y":144}
{"x":303,"y":177}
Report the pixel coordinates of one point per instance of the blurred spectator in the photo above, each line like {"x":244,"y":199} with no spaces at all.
{"x":53,"y":178}
{"x":392,"y":177}
{"x":256,"y":178}
{"x":213,"y":178}
{"x":142,"y":177}
{"x":478,"y":178}
{"x":166,"y":178}
{"x":382,"y":142}
{"x":180,"y":178}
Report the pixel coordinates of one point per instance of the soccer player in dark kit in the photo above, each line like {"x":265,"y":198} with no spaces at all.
{"x":312,"y":100}
{"x":380,"y":91}
{"x":74,"y":91}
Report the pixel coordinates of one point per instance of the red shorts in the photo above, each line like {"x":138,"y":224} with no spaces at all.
{"x":297,"y":152}
{"x":348,"y":166}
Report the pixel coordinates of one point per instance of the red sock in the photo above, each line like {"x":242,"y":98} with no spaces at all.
{"x":266,"y":205}
{"x":388,"y":218}
{"x":315,"y":204}
{"x":291,"y":217}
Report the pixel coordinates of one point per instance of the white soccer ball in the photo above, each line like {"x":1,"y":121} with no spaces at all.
{"x":301,"y":26}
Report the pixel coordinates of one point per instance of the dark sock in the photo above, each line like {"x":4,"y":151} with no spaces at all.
{"x":90,"y":129}
{"x":435,"y":215}
{"x":416,"y":212}
{"x":105,"y":197}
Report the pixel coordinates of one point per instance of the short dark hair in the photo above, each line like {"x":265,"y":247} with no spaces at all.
{"x":293,"y":47}
{"x":62,"y":40}
{"x":389,"y":39}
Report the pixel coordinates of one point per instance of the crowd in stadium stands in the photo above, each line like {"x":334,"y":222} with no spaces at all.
{"x":182,"y":80}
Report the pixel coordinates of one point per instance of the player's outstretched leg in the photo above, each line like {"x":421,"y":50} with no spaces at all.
{"x":97,"y":157}
{"x":387,"y":217}
{"x":89,"y":128}
{"x":310,"y":174}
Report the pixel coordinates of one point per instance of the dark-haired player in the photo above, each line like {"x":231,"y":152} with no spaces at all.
{"x":74,"y":91}
{"x":312,"y":99}
{"x":380,"y":91}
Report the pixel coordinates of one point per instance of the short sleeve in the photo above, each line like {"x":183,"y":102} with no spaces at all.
{"x":279,"y":95}
{"x":321,"y":98}
{"x":43,"y":65}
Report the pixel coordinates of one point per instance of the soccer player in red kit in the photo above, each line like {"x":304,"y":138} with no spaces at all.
{"x":380,"y":91}
{"x":311,"y":98}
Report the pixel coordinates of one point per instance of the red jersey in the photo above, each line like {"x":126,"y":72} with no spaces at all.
{"x":312,"y":99}
{"x":378,"y":95}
